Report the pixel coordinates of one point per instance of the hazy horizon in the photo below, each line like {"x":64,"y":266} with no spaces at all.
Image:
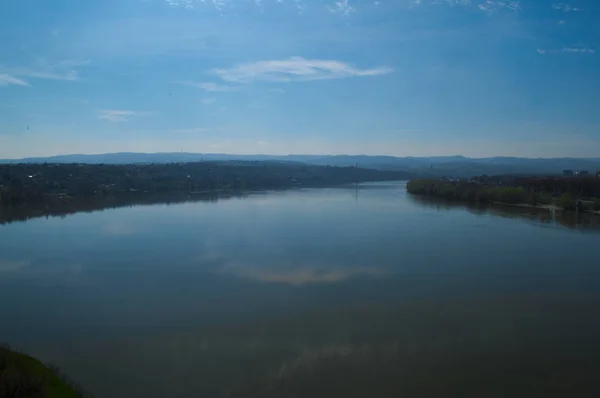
{"x":300,"y":154}
{"x":404,"y":78}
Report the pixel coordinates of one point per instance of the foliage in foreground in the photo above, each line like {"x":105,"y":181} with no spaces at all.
{"x":22,"y":376}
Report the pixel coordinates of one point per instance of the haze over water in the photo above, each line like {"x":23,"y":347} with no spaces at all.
{"x":316,"y":292}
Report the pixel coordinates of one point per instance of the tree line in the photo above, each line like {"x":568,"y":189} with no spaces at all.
{"x":566,"y":193}
{"x":29,"y":183}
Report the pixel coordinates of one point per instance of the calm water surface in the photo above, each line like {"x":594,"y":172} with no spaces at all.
{"x":317,"y":292}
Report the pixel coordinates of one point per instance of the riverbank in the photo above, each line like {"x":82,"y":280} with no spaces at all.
{"x":474,"y":192}
{"x":64,"y":206}
{"x":43,"y":183}
{"x":530,"y":206}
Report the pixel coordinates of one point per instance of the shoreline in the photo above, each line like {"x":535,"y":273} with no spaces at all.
{"x":62,"y":206}
{"x":544,"y":207}
{"x":520,"y":194}
{"x":529,"y":206}
{"x":549,"y":207}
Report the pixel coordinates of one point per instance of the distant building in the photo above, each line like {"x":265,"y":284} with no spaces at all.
{"x":584,"y":173}
{"x":568,"y":173}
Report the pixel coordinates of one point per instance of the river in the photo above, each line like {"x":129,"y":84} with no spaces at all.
{"x":350,"y":292}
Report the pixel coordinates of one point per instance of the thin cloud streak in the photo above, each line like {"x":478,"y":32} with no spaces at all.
{"x":490,"y":7}
{"x":189,"y":4}
{"x":65,"y":70}
{"x":207,"y":86}
{"x":115,"y":116}
{"x":577,"y":50}
{"x":295,"y":69}
{"x":7,"y":80}
{"x":574,"y":50}
{"x":193,"y":130}
{"x":564,"y":7}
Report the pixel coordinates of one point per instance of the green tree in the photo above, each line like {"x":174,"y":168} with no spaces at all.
{"x":566,"y":202}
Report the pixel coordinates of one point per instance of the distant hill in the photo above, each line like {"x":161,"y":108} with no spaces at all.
{"x":456,"y":166}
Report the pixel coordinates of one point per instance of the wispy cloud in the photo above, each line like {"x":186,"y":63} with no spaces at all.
{"x":64,"y":70}
{"x":493,"y":6}
{"x":295,"y":69}
{"x":451,"y":2}
{"x":207,"y":86}
{"x":208,"y":101}
{"x":113,"y":115}
{"x":194,"y":130}
{"x":189,"y":4}
{"x":7,"y":80}
{"x":564,"y":7}
{"x":488,"y":6}
{"x":70,"y":75}
{"x":577,"y":50}
{"x":342,"y":7}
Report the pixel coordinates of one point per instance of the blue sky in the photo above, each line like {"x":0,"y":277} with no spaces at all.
{"x":407,"y":78}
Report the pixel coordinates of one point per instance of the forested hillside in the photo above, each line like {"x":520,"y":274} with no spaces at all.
{"x":23,"y":183}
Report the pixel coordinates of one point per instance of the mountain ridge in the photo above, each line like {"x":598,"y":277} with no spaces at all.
{"x":455,"y":165}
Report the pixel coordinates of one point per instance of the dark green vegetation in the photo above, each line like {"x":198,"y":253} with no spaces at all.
{"x":22,"y":376}
{"x":567,"y":193}
{"x":63,"y":206}
{"x":56,"y":189}
{"x":31,"y":182}
{"x":468,"y":191}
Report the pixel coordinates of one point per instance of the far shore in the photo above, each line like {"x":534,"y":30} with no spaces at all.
{"x":550,"y":207}
{"x":528,"y":205}
{"x":580,"y":196}
{"x":543,"y":207}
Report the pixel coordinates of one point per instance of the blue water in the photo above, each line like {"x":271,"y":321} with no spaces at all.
{"x":262,"y":279}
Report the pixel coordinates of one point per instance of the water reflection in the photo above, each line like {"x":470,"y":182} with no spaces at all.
{"x":518,"y":346}
{"x":300,"y":274}
{"x":306,"y":292}
{"x":7,"y":265}
{"x":63,"y":208}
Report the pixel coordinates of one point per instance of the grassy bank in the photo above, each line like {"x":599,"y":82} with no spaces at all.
{"x":22,"y":376}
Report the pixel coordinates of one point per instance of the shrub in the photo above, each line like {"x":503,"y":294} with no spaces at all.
{"x":536,"y":199}
{"x":566,"y":202}
{"x":544,"y":198}
{"x":510,"y":195}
